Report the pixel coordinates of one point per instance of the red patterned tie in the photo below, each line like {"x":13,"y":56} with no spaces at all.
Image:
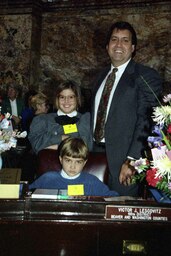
{"x":102,"y":109}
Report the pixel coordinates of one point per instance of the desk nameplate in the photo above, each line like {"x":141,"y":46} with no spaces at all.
{"x":137,"y":213}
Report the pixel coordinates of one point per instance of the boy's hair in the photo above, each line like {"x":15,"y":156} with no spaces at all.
{"x":73,"y":147}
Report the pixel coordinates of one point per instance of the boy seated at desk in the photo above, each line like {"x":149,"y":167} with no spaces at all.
{"x":73,"y":155}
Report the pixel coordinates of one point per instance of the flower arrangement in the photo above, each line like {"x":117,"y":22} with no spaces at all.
{"x":8,"y":137}
{"x":157,"y":171}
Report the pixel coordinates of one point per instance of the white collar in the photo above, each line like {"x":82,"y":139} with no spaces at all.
{"x":60,"y":113}
{"x":122,"y":67}
{"x":66,"y":176}
{"x":13,"y":101}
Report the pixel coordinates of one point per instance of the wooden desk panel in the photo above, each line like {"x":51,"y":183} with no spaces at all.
{"x":75,"y":228}
{"x":47,"y":238}
{"x":156,"y":237}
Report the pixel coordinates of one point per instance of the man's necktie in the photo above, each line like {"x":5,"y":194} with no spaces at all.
{"x":102,"y":109}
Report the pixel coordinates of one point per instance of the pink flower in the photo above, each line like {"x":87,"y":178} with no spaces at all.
{"x":167,"y":98}
{"x":169,"y":129}
{"x":169,"y":185}
{"x":151,"y":178}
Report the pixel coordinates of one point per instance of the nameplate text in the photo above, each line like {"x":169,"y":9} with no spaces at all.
{"x":131,"y":213}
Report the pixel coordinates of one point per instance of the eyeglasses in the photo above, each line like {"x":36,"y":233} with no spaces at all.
{"x":68,"y":98}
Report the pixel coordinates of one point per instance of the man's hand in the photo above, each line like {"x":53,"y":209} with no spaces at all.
{"x":126,"y":173}
{"x":16,"y":119}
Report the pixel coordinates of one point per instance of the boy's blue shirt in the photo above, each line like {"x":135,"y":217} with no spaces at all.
{"x":92,"y":185}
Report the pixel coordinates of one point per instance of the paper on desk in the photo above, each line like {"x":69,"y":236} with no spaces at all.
{"x":121,"y":198}
{"x":49,"y":194}
{"x":9,"y":191}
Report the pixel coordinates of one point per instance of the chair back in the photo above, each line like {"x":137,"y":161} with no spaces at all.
{"x":48,"y":160}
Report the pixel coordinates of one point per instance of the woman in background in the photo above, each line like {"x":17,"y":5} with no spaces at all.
{"x":40,"y":104}
{"x":37,"y":105}
{"x":28,"y":112}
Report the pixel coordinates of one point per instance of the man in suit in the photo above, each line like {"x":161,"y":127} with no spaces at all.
{"x":128,"y":118}
{"x":13,"y":104}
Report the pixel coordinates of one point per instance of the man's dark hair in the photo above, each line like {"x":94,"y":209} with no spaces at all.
{"x":121,"y":25}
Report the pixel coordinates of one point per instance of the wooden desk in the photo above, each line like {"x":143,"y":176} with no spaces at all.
{"x":78,"y":228}
{"x":21,"y":157}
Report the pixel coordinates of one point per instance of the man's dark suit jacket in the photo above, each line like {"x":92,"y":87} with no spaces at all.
{"x":128,"y":123}
{"x":6,"y":106}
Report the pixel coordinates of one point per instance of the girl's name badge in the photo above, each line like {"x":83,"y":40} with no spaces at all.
{"x":70,"y":128}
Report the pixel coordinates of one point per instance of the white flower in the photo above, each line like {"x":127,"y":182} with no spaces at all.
{"x":140,"y":165}
{"x":7,"y":115}
{"x":4,"y":124}
{"x":4,"y":147}
{"x":7,"y":139}
{"x":163,"y":167}
{"x":162,"y":115}
{"x":21,"y":135}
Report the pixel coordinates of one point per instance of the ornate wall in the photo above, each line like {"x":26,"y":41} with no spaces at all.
{"x":44,"y":42}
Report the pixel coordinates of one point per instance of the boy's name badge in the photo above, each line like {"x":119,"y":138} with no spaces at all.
{"x":70,"y":128}
{"x":76,"y":190}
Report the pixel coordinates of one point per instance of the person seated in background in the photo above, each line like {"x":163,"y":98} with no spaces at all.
{"x":49,"y":130}
{"x":21,"y":157}
{"x":40,"y":104}
{"x":73,"y":155}
{"x":28,"y":112}
{"x":13,"y":104}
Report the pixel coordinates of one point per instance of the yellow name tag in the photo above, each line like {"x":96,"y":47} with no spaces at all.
{"x":70,"y":128}
{"x":9,"y":191}
{"x":76,"y":190}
